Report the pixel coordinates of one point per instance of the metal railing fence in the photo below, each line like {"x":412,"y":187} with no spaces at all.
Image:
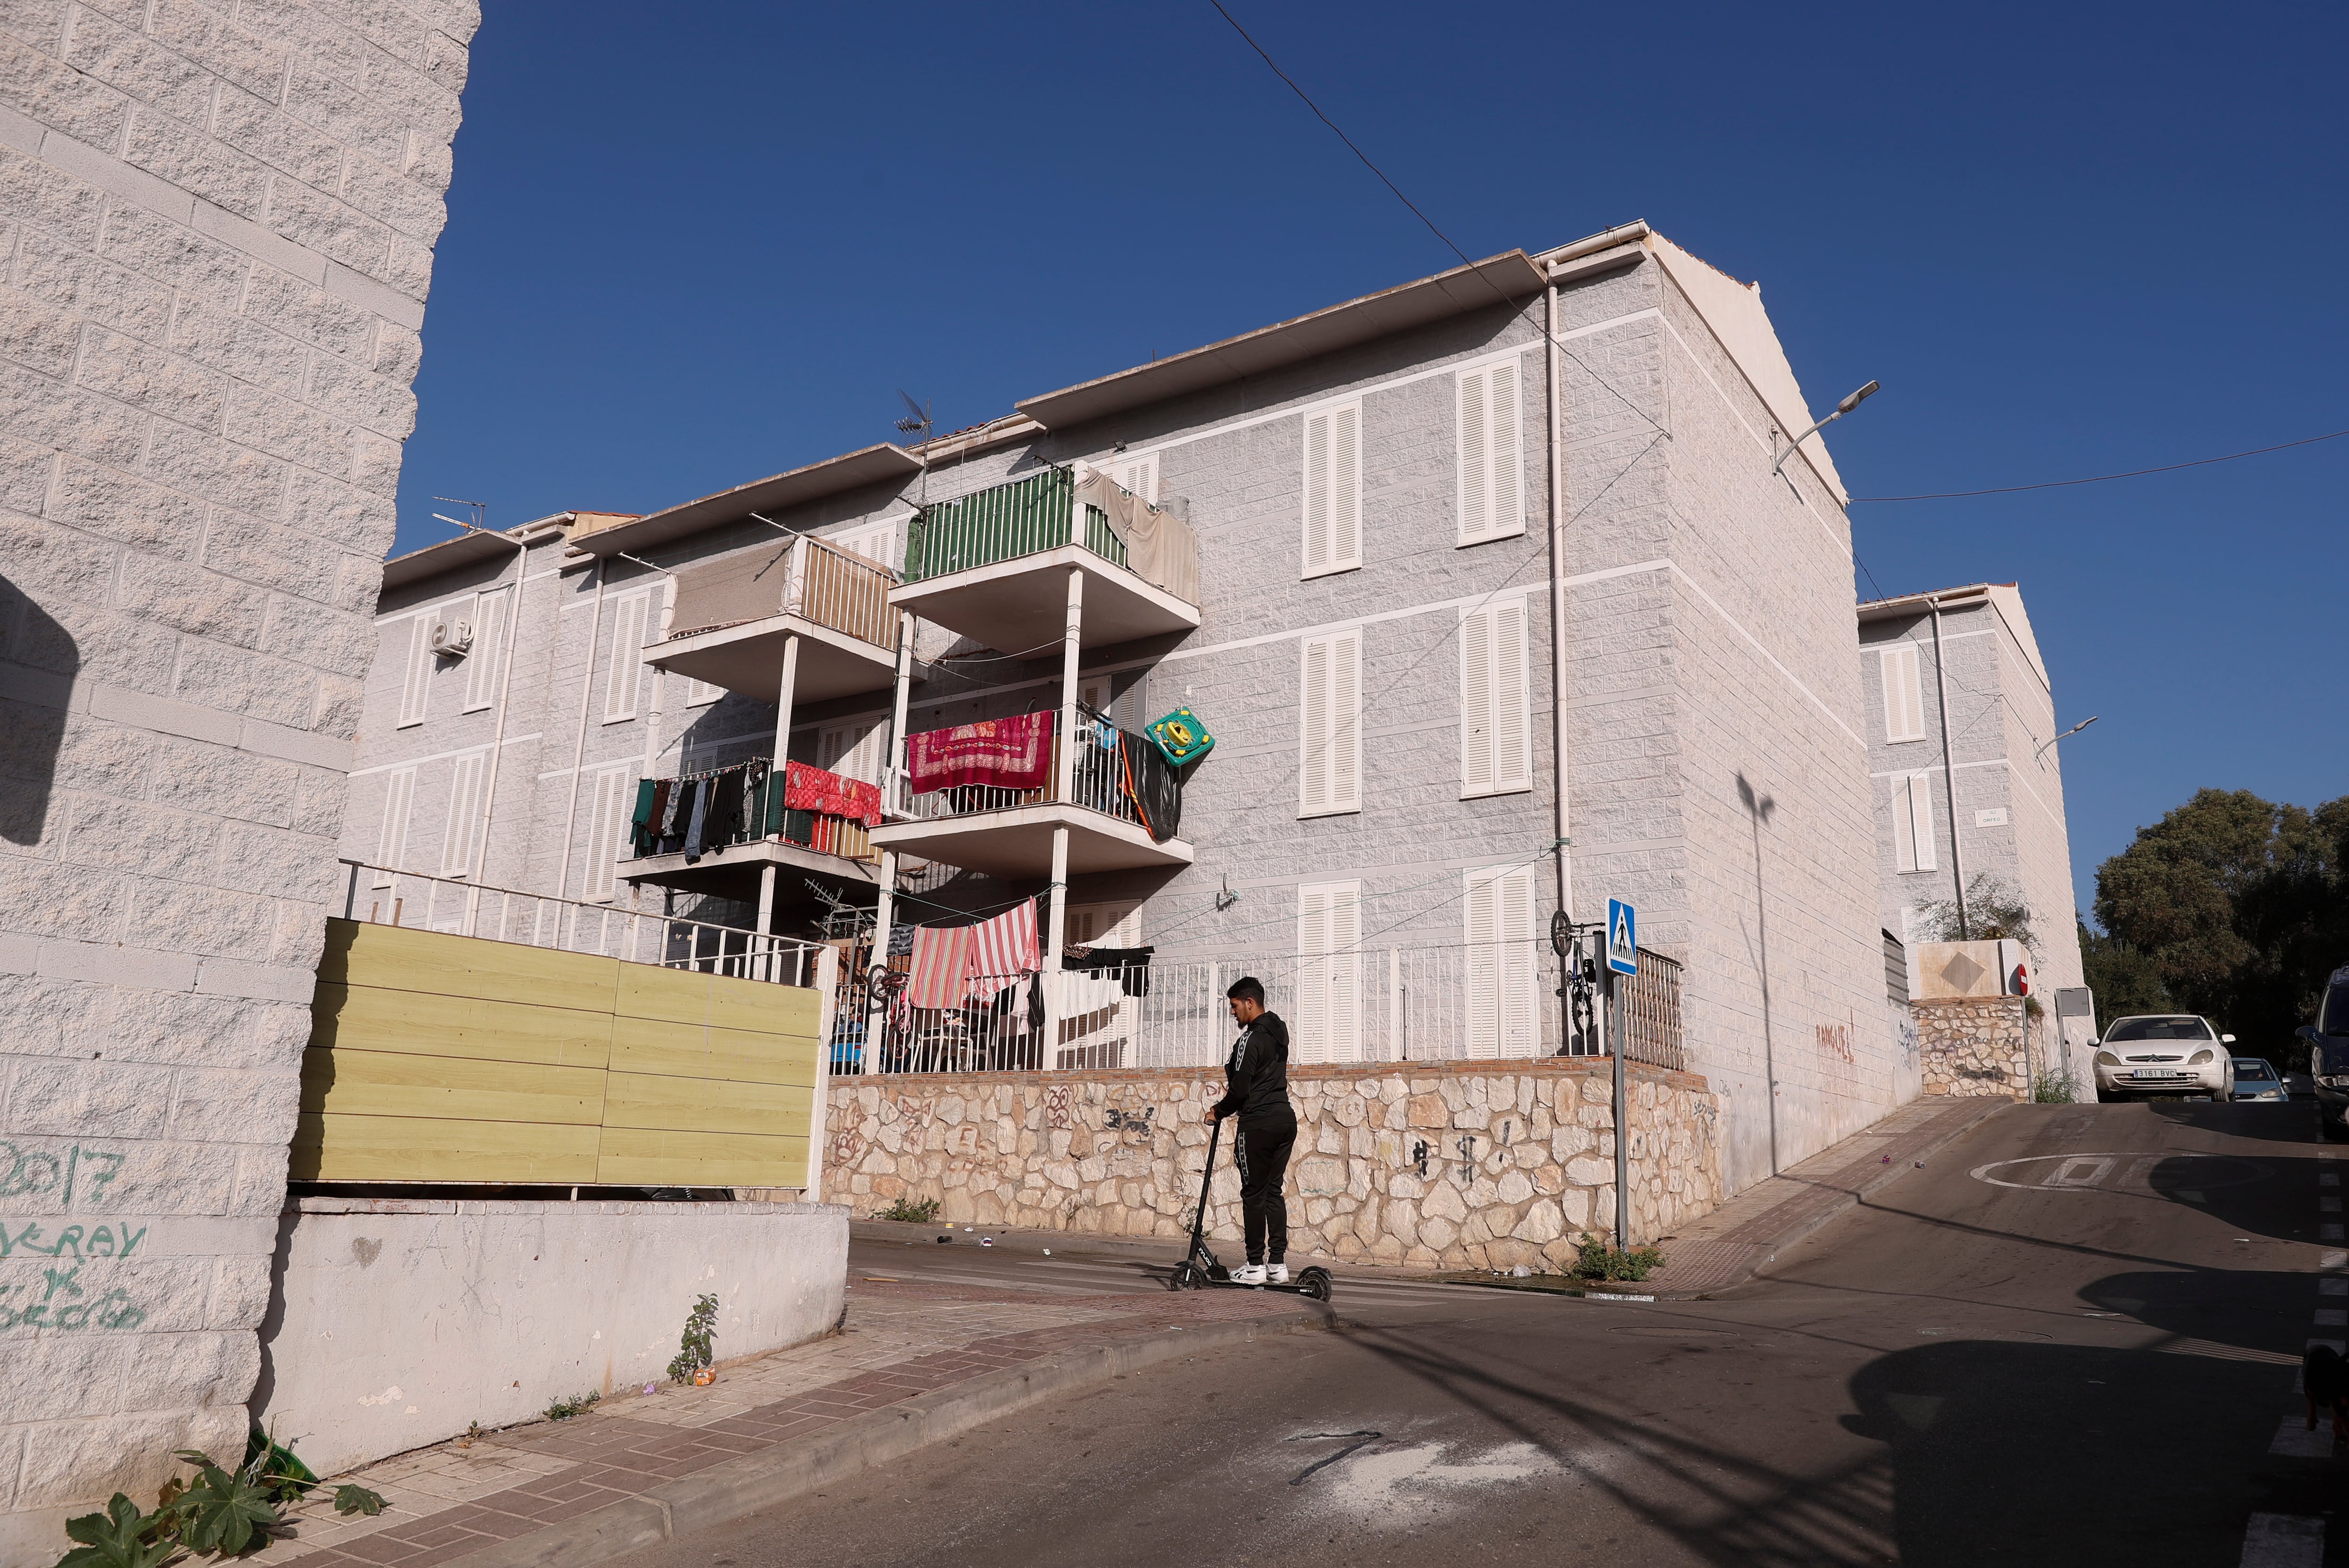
{"x":1097,"y":782}
{"x":836,"y":588}
{"x":1041,"y":512}
{"x":456,"y":907}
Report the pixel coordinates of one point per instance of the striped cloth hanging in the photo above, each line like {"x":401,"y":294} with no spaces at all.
{"x":1003,"y":949}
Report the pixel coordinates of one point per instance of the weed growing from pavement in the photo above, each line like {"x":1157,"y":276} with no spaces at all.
{"x":577,"y":1405}
{"x":693,"y":1346}
{"x":1594,"y":1258}
{"x":2053,"y":1088}
{"x":905,"y":1209}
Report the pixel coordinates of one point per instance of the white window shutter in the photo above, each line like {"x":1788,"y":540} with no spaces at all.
{"x":1904,"y":696}
{"x":391,"y":841}
{"x":416,"y":684}
{"x":1139,"y":475}
{"x":464,"y":816}
{"x":1317,"y":494}
{"x":1491,"y":499}
{"x":850,"y":750}
{"x":1476,"y":702}
{"x":488,"y":646}
{"x":1912,"y":822}
{"x":628,"y":659}
{"x":1333,"y":491}
{"x":1313,"y":730}
{"x":1496,"y":723}
{"x":1497,"y":921}
{"x":604,"y":827}
{"x":1328,"y":972}
{"x":1345,"y":733}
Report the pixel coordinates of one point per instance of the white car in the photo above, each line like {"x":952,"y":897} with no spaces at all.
{"x":2170,"y":1053}
{"x":2256,"y":1079}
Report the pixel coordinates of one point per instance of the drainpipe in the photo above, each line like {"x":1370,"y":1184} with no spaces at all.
{"x":579,"y":751}
{"x":497,"y":739}
{"x":1558,"y":609}
{"x":1948,"y":769}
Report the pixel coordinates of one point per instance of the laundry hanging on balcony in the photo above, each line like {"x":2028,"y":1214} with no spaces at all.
{"x":1003,"y":949}
{"x":807,"y":789}
{"x":1130,"y":965}
{"x":1159,"y":549}
{"x":1150,"y":781}
{"x":941,"y":966}
{"x":1006,"y":753}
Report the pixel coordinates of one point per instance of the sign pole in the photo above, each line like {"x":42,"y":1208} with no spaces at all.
{"x":1616,"y":1037}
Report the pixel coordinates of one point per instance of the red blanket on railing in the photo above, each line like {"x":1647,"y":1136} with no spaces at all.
{"x":1007,"y":753}
{"x":807,"y":789}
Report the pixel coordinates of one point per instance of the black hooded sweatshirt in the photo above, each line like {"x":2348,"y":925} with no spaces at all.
{"x":1255,"y":1076}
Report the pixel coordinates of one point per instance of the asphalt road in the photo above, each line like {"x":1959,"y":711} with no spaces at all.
{"x":2074,"y":1340}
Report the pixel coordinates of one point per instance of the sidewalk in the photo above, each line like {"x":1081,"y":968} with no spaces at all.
{"x":1726,"y":1246}
{"x":916,"y":1363}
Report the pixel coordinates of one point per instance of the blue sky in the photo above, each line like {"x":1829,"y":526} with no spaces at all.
{"x":2068,"y":240}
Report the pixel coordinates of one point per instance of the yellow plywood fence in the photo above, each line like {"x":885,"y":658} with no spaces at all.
{"x":449,"y":1058}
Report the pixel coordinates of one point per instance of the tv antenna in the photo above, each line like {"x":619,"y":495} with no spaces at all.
{"x":481,"y":523}
{"x":917,"y":418}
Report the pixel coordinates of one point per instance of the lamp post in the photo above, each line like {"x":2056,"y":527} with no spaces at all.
{"x":2065,"y":736}
{"x":1852,"y":401}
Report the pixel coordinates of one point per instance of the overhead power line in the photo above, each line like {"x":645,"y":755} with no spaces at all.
{"x":2101,"y":479}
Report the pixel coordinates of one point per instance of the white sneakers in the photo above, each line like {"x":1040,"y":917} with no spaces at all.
{"x":1260,"y":1274}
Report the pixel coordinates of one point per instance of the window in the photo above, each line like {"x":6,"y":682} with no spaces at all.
{"x":1328,"y":1015}
{"x":391,"y":841}
{"x":874,"y":541}
{"x":606,"y":824}
{"x":418,"y":682}
{"x":697,"y":692}
{"x":1102,"y":925}
{"x":1904,"y":698}
{"x":1492,"y":470}
{"x":1330,"y":739}
{"x":627,"y":668}
{"x":1139,"y":475}
{"x":1498,"y":928}
{"x":850,"y":750}
{"x":1912,"y":821}
{"x":482,"y":665}
{"x":2185,"y":1027}
{"x":464,"y":816}
{"x":1127,"y":709}
{"x":1333,"y":491}
{"x":1496,"y":746}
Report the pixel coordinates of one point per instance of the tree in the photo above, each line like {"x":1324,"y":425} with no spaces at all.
{"x":2122,"y":978}
{"x":1994,"y":911}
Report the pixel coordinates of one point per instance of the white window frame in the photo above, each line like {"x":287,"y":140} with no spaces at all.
{"x":1330,"y":724}
{"x":463,"y":834}
{"x":623,"y":680}
{"x":1137,"y":474}
{"x":1913,"y":834}
{"x":391,"y":838}
{"x":416,"y":676}
{"x":859,"y":541}
{"x":1488,"y":406}
{"x":1498,"y":937}
{"x":608,"y":814}
{"x":1327,"y":1015}
{"x":1904,"y":694}
{"x":853,"y":750}
{"x":1102,"y":924}
{"x":1333,"y":490}
{"x":1496,"y":699}
{"x":488,"y":621}
{"x":1126,"y":708}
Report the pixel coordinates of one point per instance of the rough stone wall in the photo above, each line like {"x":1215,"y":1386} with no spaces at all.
{"x":217,"y":222}
{"x":1440,"y":1165}
{"x":1975,"y":1047}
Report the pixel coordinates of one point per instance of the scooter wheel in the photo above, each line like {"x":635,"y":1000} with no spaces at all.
{"x":1315,"y":1282}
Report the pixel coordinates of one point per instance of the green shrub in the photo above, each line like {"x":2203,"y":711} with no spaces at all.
{"x":2053,"y":1087}
{"x":217,"y":1513}
{"x":577,"y":1405}
{"x":905,"y":1209}
{"x":693,"y":1346}
{"x":1594,"y":1260}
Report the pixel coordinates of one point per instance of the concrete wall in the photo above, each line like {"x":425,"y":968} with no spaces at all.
{"x":1449,"y":1165}
{"x":398,"y":1321}
{"x":218,"y":224}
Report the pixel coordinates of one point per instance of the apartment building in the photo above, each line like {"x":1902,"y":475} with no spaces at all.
{"x":1967,"y":778}
{"x":220,"y":222}
{"x":1482,"y":584}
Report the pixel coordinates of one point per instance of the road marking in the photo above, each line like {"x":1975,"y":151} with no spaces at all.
{"x":2328,"y":1180}
{"x":2333,"y":1261}
{"x":2328,"y":1205}
{"x":2331,"y":1318}
{"x":2293,"y":1440}
{"x":2218,"y":1351}
{"x":2329,"y":1233}
{"x":2333,"y":1284}
{"x":2283,"y":1540}
{"x":2091,"y":1172}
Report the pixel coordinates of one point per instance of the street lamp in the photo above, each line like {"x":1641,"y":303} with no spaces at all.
{"x":1845,"y":406}
{"x":2066,"y":735}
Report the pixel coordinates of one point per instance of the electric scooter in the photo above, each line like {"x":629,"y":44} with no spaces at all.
{"x":1201,"y":1270}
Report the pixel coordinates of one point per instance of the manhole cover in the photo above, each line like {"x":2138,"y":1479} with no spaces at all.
{"x":1671,"y":1333}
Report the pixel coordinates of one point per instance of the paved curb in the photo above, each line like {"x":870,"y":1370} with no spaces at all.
{"x":1809,"y":1218}
{"x":740,"y":1487}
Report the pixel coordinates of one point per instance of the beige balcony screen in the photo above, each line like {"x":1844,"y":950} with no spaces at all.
{"x":747,"y":585}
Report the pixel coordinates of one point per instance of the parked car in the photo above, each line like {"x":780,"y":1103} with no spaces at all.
{"x":2256,"y":1079}
{"x":2328,"y":1055}
{"x":2171,"y":1053}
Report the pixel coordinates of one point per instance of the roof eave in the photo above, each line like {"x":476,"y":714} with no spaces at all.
{"x":850,"y":471}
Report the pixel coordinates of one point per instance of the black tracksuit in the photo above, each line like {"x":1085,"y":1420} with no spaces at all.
{"x":1257,"y":1092}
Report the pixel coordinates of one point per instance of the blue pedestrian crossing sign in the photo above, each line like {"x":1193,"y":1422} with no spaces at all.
{"x":1622,"y":937}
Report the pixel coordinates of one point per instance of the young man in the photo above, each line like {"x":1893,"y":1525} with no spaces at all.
{"x":1256,"y":1083}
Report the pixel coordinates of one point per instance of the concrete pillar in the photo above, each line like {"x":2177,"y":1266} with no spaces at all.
{"x":1065,"y":772}
{"x":1055,"y":933}
{"x":876,"y":1005}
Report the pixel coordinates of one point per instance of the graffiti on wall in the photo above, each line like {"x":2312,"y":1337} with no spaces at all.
{"x":77,"y":1175}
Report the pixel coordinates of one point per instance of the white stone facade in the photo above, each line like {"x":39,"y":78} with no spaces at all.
{"x":218,"y":222}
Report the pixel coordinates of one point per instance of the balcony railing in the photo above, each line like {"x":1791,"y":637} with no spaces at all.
{"x":747,"y":808}
{"x":805,"y":577}
{"x":388,"y":897}
{"x":1097,"y":782}
{"x":1045,"y":512}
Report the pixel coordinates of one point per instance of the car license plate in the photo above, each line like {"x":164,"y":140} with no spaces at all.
{"x":2154,"y":1073}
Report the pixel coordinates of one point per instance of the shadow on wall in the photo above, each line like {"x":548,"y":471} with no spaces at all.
{"x":32,"y":714}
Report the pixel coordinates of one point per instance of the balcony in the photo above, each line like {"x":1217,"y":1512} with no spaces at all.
{"x":1007,"y":832}
{"x":995,"y":566}
{"x":735,"y":615}
{"x":747,"y":827}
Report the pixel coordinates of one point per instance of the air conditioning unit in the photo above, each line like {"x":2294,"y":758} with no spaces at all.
{"x":452,"y":639}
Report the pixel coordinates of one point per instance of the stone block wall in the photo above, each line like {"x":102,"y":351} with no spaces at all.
{"x":1432,"y":1165}
{"x":216,"y":223}
{"x":1975,"y":1047}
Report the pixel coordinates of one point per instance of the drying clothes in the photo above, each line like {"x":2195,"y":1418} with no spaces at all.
{"x":1153,"y":785}
{"x":1002,"y":949}
{"x":696,"y":817}
{"x":807,"y":789}
{"x":1131,"y":964}
{"x":1007,"y":753}
{"x":675,"y":806}
{"x":1159,"y":548}
{"x":941,"y":966}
